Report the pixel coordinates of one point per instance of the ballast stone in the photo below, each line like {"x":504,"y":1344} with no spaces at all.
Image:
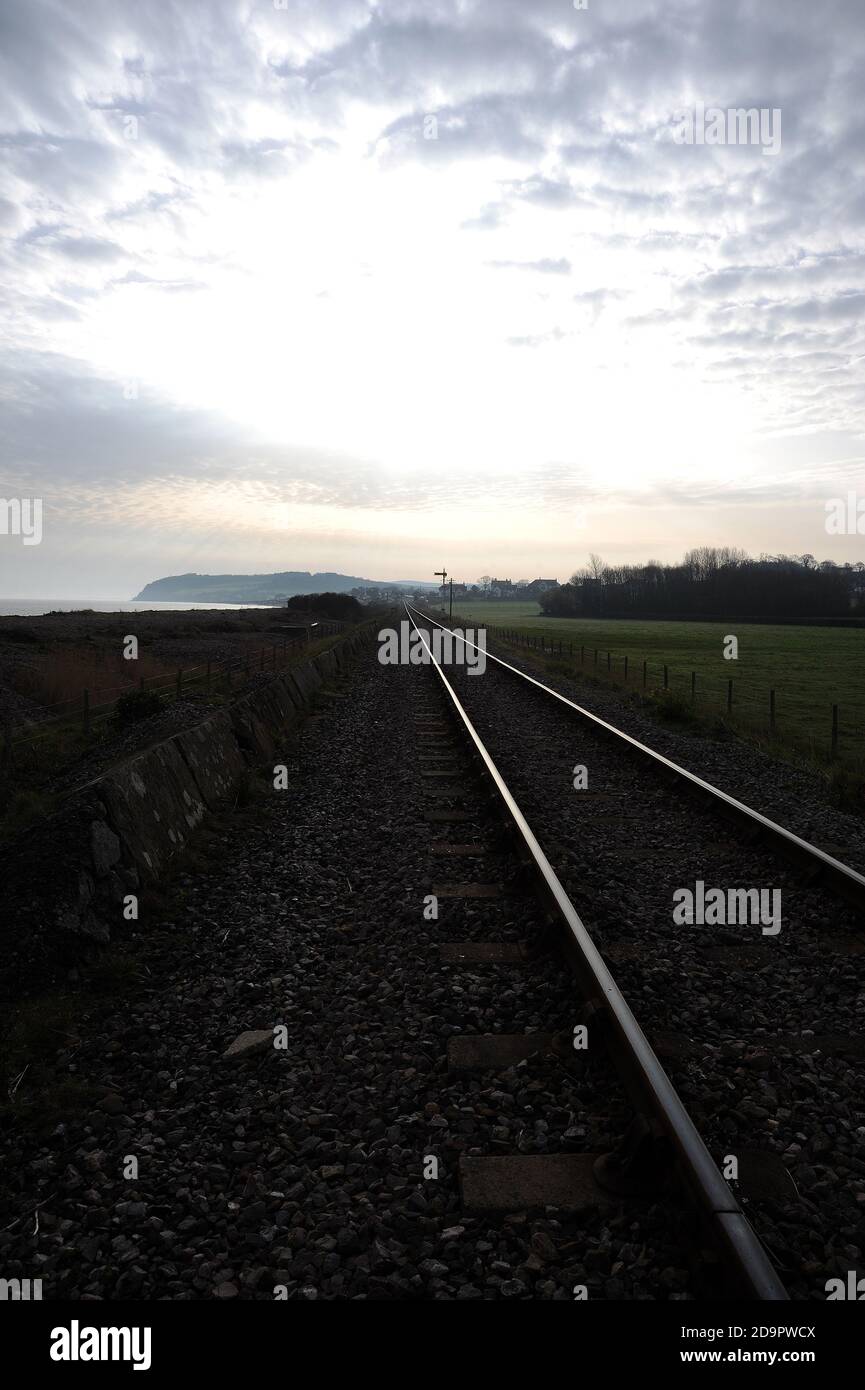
{"x":249,"y":1043}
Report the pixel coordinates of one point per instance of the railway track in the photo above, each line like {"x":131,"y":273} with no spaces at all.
{"x":741,"y":1076}
{"x":429,"y":1130}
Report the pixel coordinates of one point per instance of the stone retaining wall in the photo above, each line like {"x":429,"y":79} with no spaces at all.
{"x":67,"y":881}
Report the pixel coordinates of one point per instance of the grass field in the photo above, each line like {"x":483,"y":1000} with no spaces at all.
{"x":810,"y":668}
{"x":504,"y":613}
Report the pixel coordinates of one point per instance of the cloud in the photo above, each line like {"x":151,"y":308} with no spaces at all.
{"x":152,"y":203}
{"x":136,"y":277}
{"x":262,"y":214}
{"x":87,"y":248}
{"x":547,"y":265}
{"x":269,"y":158}
{"x":534,"y":340}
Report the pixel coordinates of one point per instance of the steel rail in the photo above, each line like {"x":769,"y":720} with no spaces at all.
{"x":849,"y":882}
{"x":743,"y":1252}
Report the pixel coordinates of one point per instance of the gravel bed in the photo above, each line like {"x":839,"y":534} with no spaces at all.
{"x":770,"y":1026}
{"x":302,"y":1169}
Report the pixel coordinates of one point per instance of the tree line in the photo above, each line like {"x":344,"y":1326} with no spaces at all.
{"x":335,"y":607}
{"x":712,"y":582}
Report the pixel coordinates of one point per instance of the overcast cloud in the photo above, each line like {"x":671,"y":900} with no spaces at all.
{"x":371,"y":286}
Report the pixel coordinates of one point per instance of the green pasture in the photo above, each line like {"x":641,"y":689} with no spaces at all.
{"x":809,"y":668}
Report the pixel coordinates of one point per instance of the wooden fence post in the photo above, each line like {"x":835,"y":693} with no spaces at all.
{"x":729,"y":697}
{"x":772,"y":710}
{"x":645,"y":674}
{"x":693,"y":686}
{"x":626,"y":670}
{"x":665,"y":679}
{"x":834,"y":731}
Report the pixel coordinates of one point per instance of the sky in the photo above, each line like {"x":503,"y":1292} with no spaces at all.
{"x":378,"y":286}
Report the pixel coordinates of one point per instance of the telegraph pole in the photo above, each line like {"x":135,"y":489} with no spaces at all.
{"x":451,"y":613}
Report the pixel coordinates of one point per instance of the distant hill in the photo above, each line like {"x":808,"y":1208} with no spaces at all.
{"x":258,"y":588}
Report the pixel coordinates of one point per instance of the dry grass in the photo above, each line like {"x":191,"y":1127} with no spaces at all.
{"x":62,"y":676}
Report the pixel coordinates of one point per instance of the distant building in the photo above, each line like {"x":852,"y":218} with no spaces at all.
{"x":521,"y":589}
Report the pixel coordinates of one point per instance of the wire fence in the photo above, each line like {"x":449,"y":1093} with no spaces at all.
{"x":833,"y":730}
{"x":95,"y":707}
